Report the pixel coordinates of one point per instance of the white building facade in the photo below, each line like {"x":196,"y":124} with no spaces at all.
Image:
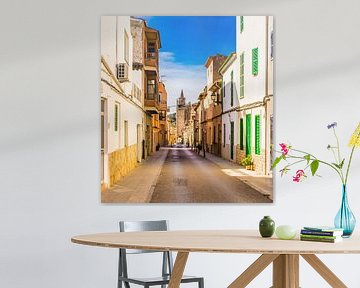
{"x":230,"y":104}
{"x":254,"y":49}
{"x":122,"y":115}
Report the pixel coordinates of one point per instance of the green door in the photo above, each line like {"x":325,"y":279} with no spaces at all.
{"x":248,"y":134}
{"x":232,"y":140}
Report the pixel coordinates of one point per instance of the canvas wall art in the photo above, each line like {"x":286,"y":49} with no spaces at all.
{"x":186,"y":109}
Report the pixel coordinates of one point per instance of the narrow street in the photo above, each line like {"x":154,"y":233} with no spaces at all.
{"x":189,"y":178}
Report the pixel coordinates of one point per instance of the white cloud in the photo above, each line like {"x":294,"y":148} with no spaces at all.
{"x":177,"y":76}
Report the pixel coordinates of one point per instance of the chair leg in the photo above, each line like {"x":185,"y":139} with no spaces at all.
{"x":201,"y":283}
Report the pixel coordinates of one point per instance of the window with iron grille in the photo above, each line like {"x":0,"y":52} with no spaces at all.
{"x":122,"y":71}
{"x":126,"y":133}
{"x":116,"y":117}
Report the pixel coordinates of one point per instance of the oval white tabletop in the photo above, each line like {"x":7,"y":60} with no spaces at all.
{"x":216,"y":241}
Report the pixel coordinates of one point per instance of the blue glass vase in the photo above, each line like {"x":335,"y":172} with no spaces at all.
{"x":345,"y":219}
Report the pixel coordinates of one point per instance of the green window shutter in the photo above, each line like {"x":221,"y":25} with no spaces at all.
{"x":248,"y":134}
{"x":232,"y":88}
{"x":257,"y":135}
{"x":241,"y":134}
{"x":241,"y":24}
{"x":255,"y":61}
{"x":242,"y":92}
{"x":116,"y":117}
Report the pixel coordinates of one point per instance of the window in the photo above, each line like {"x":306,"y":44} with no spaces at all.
{"x":242,"y":94}
{"x":214,"y":134}
{"x":116,"y":117}
{"x":255,"y":61}
{"x":151,"y":50}
{"x":224,"y":135}
{"x":151,"y":47}
{"x":126,"y":133}
{"x":241,"y":134}
{"x":232,"y":88}
{"x":162,"y":115}
{"x":126,"y":47}
{"x":151,"y":88}
{"x":257,"y":135}
{"x":248,"y":134}
{"x":223,"y":88}
{"x":241,"y":24}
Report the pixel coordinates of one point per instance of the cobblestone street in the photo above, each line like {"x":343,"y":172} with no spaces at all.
{"x":180,"y":175}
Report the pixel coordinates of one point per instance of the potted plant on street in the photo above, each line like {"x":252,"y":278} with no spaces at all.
{"x":248,"y":163}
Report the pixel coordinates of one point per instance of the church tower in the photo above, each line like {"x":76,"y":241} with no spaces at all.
{"x":180,"y":116}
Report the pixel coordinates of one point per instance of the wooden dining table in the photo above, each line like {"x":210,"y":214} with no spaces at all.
{"x":283,"y":254}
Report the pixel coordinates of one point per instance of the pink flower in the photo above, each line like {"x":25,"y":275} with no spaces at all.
{"x":299,"y":175}
{"x":284,"y":149}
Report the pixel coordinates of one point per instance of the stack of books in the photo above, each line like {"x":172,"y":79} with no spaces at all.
{"x":321,"y":234}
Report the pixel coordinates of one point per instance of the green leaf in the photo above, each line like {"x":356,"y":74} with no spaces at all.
{"x":307,"y":157}
{"x":342,"y":164}
{"x":277,"y":161}
{"x":336,"y":165}
{"x":314,"y":166}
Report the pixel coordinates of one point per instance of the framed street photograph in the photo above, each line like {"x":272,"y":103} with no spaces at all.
{"x":186,"y":109}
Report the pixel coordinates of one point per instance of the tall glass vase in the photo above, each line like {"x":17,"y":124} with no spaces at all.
{"x":345,"y":219}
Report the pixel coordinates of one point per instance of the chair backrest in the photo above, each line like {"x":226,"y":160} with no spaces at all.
{"x":137,"y":226}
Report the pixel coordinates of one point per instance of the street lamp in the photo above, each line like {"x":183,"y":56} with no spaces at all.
{"x":214,"y":97}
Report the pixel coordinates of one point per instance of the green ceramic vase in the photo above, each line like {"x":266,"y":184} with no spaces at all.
{"x":266,"y":227}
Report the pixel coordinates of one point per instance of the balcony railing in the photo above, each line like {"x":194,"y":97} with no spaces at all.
{"x":150,"y":96}
{"x":151,"y":59}
{"x":151,"y":55}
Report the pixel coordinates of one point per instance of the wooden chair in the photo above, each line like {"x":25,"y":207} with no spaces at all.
{"x":167,"y":262}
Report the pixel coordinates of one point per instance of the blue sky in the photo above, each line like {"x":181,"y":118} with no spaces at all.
{"x":193,"y":38}
{"x":187,"y":41}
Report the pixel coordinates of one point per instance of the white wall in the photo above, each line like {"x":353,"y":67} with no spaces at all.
{"x":50,"y":138}
{"x":113,"y":31}
{"x":252,"y":36}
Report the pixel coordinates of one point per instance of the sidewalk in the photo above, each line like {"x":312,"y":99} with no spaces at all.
{"x":139,"y":184}
{"x":262,"y":183}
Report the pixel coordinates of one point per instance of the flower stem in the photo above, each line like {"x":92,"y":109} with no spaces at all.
{"x":350,"y":159}
{"x":348,"y":168}
{"x":338,"y":145}
{"x":320,"y":161}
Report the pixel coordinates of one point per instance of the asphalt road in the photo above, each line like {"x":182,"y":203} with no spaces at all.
{"x":188,"y":178}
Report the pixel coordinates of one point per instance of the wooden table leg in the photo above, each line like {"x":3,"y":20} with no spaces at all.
{"x":253,"y":270}
{"x":178,"y":269}
{"x":286,"y":271}
{"x":324,"y":271}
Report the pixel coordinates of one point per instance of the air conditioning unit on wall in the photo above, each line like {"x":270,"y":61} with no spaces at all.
{"x":122,"y":72}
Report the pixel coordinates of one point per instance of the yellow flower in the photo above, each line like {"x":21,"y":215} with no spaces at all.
{"x":355,"y":138}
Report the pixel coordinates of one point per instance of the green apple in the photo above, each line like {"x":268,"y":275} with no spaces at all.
{"x":285,"y":232}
